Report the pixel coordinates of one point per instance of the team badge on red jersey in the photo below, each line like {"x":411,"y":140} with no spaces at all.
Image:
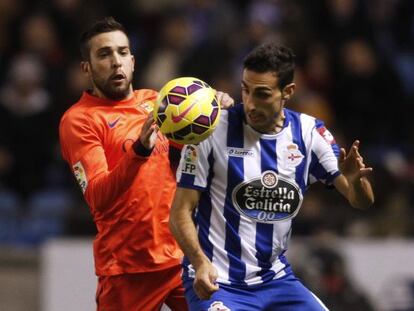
{"x":80,"y":175}
{"x":147,"y":106}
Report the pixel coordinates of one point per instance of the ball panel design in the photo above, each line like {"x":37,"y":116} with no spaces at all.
{"x":198,"y":129}
{"x":214,"y":115}
{"x":175,"y":100}
{"x":203,"y":120}
{"x":192,"y":88}
{"x":186,"y":110}
{"x":179,"y":90}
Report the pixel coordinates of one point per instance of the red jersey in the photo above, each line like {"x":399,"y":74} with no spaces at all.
{"x":129,"y":195}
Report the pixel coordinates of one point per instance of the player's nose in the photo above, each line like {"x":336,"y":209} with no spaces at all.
{"x":251,"y":105}
{"x":116,"y":61}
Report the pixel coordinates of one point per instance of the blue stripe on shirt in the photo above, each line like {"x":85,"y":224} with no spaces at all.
{"x":203,"y":215}
{"x":186,"y":179}
{"x":264,"y":232}
{"x":296,"y":127}
{"x":235,"y":173}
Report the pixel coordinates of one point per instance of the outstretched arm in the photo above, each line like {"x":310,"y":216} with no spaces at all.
{"x":184,"y":231}
{"x":353,"y":182}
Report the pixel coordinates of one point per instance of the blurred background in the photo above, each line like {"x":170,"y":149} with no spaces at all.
{"x":355,"y":71}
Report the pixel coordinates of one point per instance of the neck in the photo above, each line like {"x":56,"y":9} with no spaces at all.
{"x":274,"y":129}
{"x":278,"y":124}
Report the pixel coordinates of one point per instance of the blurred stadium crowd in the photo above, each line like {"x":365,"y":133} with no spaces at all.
{"x":355,"y":71}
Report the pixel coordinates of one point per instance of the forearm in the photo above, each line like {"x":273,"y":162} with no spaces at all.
{"x":185,"y":233}
{"x":104,"y":188}
{"x":361,"y":195}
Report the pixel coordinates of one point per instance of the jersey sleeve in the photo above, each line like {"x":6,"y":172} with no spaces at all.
{"x":195,"y":164}
{"x":82,"y":149}
{"x":324,"y":155}
{"x":174,"y":155}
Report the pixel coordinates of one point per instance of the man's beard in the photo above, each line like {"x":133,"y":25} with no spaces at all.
{"x":113,"y":93}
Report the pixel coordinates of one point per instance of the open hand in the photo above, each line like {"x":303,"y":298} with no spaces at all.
{"x":352,"y":164}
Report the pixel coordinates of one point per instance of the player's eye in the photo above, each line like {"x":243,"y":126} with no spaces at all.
{"x":245,"y":90}
{"x":103,"y":54}
{"x":262,"y":95}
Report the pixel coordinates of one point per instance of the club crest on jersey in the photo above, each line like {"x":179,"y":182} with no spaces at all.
{"x":190,"y":160}
{"x":148,"y":106}
{"x":292,"y":155}
{"x":218,"y":306}
{"x":326,"y":135}
{"x":268,"y":198}
{"x":269,"y":179}
{"x":80,"y":175}
{"x":239,"y":152}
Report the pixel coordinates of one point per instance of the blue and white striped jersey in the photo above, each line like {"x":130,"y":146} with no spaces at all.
{"x":252,"y":186}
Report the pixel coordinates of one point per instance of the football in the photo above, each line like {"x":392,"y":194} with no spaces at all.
{"x":186,"y":110}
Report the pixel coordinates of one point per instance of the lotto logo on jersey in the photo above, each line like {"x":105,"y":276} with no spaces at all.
{"x":80,"y":175}
{"x":268,"y":198}
{"x":239,"y":152}
{"x":190,"y":160}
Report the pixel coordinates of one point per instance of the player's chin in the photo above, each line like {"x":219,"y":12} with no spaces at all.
{"x":255,"y":121}
{"x":118,"y":93}
{"x":118,"y":85}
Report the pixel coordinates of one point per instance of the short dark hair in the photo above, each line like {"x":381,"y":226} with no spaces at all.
{"x":270,"y":57}
{"x":107,"y":24}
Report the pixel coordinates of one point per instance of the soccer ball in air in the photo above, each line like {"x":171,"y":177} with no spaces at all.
{"x":186,"y":110}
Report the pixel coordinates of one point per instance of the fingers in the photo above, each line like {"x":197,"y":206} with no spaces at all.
{"x":205,"y":281}
{"x":205,"y":288}
{"x":355,"y":154}
{"x":149,"y":133}
{"x":353,"y":151}
{"x":352,"y":164}
{"x":342,"y":155}
{"x":224,"y":100}
{"x":364,"y":172}
{"x":360,"y":161}
{"x":147,"y":124}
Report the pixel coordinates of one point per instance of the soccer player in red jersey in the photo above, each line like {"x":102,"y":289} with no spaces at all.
{"x":123,"y":166}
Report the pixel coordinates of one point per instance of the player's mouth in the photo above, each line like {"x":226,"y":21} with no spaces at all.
{"x":118,"y":77}
{"x":254,"y":117}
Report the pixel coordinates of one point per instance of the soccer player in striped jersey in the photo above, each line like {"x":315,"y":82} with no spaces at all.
{"x":239,"y":190}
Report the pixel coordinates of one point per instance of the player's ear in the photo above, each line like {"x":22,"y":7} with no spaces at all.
{"x":85,"y":66}
{"x":133,"y":63}
{"x":288,"y":91}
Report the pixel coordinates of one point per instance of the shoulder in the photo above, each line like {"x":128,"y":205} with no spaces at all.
{"x":224,"y":114}
{"x":234,"y":114}
{"x":78,"y":112}
{"x":145,"y":94}
{"x":78,"y":118}
{"x":230,"y":120}
{"x":306,"y":121}
{"x":224,"y":119}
